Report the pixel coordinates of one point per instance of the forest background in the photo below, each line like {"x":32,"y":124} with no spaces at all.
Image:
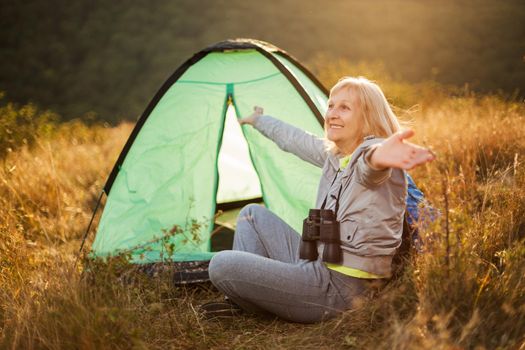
{"x":108,"y":58}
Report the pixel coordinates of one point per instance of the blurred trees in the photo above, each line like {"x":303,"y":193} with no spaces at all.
{"x":111,"y":57}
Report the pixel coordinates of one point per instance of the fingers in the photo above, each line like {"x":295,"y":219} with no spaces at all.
{"x":432,"y":155}
{"x":402,"y":154}
{"x":410,"y":155}
{"x":419,"y":156}
{"x":405,"y":134}
{"x":257,"y":112}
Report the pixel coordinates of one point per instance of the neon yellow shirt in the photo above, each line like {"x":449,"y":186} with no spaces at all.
{"x":351,"y":271}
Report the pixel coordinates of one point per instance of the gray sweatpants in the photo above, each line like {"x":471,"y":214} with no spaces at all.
{"x":263,"y":272}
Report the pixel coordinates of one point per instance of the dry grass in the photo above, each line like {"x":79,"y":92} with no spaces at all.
{"x":466,"y":291}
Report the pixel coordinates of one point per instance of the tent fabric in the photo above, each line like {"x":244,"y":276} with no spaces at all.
{"x":163,"y":191}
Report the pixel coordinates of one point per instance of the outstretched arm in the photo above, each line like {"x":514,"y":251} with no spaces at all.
{"x":377,"y":162}
{"x":396,"y":152}
{"x":304,"y":145}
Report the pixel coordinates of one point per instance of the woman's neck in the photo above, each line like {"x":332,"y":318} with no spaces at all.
{"x":347,"y":148}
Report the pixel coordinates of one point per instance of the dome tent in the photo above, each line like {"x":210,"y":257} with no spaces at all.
{"x":162,"y":194}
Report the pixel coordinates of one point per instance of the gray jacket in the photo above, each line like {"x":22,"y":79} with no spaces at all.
{"x":371,"y":203}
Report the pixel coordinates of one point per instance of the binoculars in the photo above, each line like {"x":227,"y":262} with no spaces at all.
{"x":321,"y":224}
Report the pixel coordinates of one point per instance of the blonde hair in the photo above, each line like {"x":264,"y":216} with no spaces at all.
{"x":378,"y":118}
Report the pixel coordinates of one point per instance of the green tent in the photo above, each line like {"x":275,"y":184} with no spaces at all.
{"x":187,"y":157}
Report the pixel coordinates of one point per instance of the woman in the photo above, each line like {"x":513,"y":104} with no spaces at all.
{"x":363,"y":160}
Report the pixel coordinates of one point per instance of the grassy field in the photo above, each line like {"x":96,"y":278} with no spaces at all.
{"x":467,"y":290}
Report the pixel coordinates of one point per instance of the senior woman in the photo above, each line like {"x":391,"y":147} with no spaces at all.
{"x":363,"y":158}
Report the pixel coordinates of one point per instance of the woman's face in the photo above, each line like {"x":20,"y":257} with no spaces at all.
{"x":343,"y":120}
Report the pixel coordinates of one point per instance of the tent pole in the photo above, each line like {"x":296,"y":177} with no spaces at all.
{"x":90,"y":222}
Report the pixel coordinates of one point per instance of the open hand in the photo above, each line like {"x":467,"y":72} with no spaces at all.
{"x":395,"y":152}
{"x":257,"y":112}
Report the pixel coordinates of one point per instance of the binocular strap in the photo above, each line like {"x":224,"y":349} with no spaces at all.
{"x":338,"y":194}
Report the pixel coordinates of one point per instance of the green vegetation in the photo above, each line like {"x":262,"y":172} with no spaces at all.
{"x":111,"y":57}
{"x":20,"y":126}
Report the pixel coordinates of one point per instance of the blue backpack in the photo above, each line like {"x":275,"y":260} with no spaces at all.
{"x":416,"y":207}
{"x":418,"y":210}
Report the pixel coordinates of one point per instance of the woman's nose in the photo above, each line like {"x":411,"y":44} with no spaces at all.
{"x":330,"y":113}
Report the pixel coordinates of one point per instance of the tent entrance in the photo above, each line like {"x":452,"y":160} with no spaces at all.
{"x":238,"y":180}
{"x":239,"y":183}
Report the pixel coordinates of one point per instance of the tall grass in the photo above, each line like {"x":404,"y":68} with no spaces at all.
{"x":465,"y":291}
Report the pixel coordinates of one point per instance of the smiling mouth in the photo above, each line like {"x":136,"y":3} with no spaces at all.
{"x":335,"y":126}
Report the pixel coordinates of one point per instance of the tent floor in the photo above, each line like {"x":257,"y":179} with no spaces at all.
{"x":223,"y":230}
{"x":222,"y":238}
